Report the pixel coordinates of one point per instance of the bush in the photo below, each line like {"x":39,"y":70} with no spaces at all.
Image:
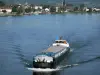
{"x":14,"y":9}
{"x":53,"y":9}
{"x":2,"y":3}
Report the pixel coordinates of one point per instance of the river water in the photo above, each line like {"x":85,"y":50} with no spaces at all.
{"x":21,"y":37}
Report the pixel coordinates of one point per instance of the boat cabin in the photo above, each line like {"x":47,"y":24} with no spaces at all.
{"x":61,"y":41}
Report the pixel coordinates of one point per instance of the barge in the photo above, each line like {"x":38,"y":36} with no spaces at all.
{"x":52,"y":56}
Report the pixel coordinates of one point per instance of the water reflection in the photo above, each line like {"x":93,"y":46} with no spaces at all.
{"x":41,"y":73}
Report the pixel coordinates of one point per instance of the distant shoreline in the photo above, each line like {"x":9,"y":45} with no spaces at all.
{"x":10,"y":14}
{"x":30,"y":9}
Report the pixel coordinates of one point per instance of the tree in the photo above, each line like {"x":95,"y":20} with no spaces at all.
{"x":52,"y":9}
{"x":2,"y":3}
{"x":75,"y":8}
{"x":27,"y":10}
{"x":19,"y":10}
{"x":14,"y":9}
{"x":82,"y":7}
{"x":62,"y":9}
{"x":46,"y":6}
{"x":33,"y":9}
{"x":90,"y":10}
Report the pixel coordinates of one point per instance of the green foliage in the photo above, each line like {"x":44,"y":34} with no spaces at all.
{"x":14,"y":9}
{"x":17,"y":9}
{"x":33,"y":10}
{"x":62,"y":9}
{"x":82,"y":7}
{"x":75,"y":8}
{"x":46,"y":6}
{"x":27,"y":10}
{"x":2,"y":3}
{"x":52,"y":9}
{"x":90,"y":9}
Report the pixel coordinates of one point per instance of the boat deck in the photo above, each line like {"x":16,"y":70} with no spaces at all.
{"x":54,"y":49}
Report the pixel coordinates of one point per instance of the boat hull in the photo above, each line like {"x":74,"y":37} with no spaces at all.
{"x":58,"y":60}
{"x":42,"y":65}
{"x":54,"y":64}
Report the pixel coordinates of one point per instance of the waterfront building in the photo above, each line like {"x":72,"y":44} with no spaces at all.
{"x":7,"y":10}
{"x":38,"y":7}
{"x":85,"y":9}
{"x":96,"y":9}
{"x":57,"y":9}
{"x":47,"y":10}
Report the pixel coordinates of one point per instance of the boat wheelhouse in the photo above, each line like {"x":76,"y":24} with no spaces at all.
{"x":52,"y":56}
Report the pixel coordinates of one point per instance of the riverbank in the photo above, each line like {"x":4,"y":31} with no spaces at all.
{"x":22,"y":14}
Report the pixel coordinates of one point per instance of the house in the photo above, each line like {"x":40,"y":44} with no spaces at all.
{"x":96,"y":9}
{"x":86,"y":9}
{"x":57,"y":9}
{"x":47,"y":10}
{"x":38,"y":7}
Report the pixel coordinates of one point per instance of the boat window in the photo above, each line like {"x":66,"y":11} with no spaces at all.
{"x":60,"y":42}
{"x":57,"y":42}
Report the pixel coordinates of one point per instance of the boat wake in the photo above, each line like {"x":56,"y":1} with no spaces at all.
{"x":52,"y":70}
{"x":61,"y":67}
{"x":43,"y":70}
{"x":79,"y":63}
{"x":28,"y":64}
{"x":71,"y":50}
